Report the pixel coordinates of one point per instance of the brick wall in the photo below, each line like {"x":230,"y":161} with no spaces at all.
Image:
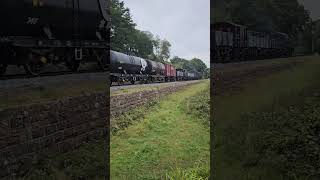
{"x":124,"y":103}
{"x":58,"y":126}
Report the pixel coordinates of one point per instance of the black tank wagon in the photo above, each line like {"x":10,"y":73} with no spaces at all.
{"x":126,"y":68}
{"x":37,"y":32}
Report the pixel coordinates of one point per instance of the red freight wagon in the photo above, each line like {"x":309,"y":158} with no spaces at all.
{"x":170,"y":72}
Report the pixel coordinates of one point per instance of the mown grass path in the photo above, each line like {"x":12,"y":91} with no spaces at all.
{"x":166,"y":139}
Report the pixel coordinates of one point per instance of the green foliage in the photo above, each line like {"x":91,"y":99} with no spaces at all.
{"x":286,"y":16}
{"x":198,"y":65}
{"x":286,"y":139}
{"x":179,"y":62}
{"x":191,"y":65}
{"x":122,"y":27}
{"x":124,"y":35}
{"x":87,"y":162}
{"x":163,"y":50}
{"x":163,"y":141}
{"x":199,"y":172}
{"x":127,"y":39}
{"x":236,"y":154}
{"x":125,"y":120}
{"x":199,"y":106}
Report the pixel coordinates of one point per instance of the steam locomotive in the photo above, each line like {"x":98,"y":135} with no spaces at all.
{"x":37,"y":32}
{"x":235,"y":42}
{"x":126,"y":68}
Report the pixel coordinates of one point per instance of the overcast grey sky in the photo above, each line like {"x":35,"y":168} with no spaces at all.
{"x":184,"y":23}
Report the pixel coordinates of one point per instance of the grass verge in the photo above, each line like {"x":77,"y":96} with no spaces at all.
{"x":87,"y":162}
{"x":234,"y":153}
{"x":167,"y":142}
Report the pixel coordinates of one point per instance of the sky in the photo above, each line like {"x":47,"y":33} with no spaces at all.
{"x":184,"y":23}
{"x":313,"y":6}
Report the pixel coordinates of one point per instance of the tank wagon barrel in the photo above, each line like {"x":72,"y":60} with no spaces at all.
{"x":126,"y":68}
{"x":39,"y":32}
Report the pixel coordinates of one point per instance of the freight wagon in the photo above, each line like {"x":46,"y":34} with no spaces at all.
{"x":235,"y":42}
{"x":170,"y":72}
{"x":39,"y":32}
{"x":126,"y":68}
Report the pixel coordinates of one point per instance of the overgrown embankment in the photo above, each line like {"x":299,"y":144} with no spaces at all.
{"x":169,"y":141}
{"x":268,"y":129}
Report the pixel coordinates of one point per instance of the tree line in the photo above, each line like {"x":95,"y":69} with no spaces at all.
{"x":126,"y":38}
{"x":287,"y":16}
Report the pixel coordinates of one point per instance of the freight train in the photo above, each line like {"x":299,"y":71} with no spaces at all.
{"x":38,"y":32}
{"x":126,"y":68}
{"x":235,"y":42}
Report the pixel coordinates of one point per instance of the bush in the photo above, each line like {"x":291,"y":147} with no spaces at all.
{"x":196,"y":173}
{"x":287,"y":140}
{"x":199,"y":106}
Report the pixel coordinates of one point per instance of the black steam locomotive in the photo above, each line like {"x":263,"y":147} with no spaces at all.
{"x":37,"y":32}
{"x":235,"y":42}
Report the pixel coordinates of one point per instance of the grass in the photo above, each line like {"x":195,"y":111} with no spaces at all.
{"x":41,"y":94}
{"x":87,"y":162}
{"x":167,"y":142}
{"x":264,"y":94}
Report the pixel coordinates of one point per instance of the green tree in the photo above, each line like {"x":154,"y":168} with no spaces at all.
{"x":178,"y":62}
{"x":162,"y":50}
{"x":286,"y":16}
{"x":121,"y":28}
{"x":123,"y":33}
{"x":195,"y":64}
{"x":198,"y":65}
{"x":143,"y":44}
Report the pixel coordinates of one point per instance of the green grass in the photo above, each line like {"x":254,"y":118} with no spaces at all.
{"x":165,"y":143}
{"x":87,"y":162}
{"x":280,"y":88}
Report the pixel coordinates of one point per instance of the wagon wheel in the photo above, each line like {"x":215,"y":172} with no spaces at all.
{"x":120,"y":81}
{"x":3,"y":68}
{"x":32,"y":68}
{"x":72,"y":64}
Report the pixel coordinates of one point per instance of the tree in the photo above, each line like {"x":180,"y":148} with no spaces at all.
{"x":162,"y":50}
{"x":198,"y":65}
{"x":143,"y":45}
{"x":286,"y":16}
{"x":122,"y":27}
{"x":123,"y":33}
{"x":194,"y":65}
{"x":178,"y":62}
